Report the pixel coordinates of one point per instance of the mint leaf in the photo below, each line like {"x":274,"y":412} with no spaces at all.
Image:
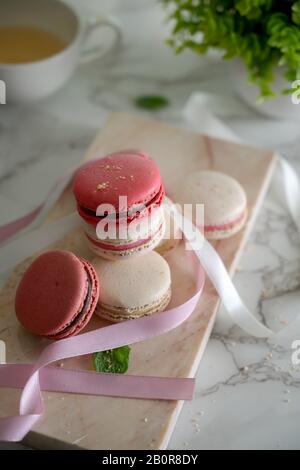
{"x":151,"y":102}
{"x":114,"y":361}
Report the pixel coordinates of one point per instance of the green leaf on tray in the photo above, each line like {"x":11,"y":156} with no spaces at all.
{"x":151,"y":102}
{"x":114,"y":361}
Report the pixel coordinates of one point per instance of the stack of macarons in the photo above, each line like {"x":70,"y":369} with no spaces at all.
{"x":120,"y":200}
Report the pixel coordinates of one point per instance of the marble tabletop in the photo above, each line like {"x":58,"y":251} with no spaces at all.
{"x":247,"y":391}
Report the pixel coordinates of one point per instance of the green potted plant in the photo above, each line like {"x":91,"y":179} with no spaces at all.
{"x":263,"y":34}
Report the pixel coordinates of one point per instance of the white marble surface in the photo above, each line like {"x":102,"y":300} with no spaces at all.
{"x":247,"y":393}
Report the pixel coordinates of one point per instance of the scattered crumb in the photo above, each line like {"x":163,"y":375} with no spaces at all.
{"x":200,"y":413}
{"x":287,"y":400}
{"x":145,"y":420}
{"x":79,"y":439}
{"x":287,"y":391}
{"x":245,"y":369}
{"x":102,"y":186}
{"x":153,"y":442}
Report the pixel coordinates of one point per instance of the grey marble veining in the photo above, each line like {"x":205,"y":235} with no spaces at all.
{"x":247,"y":390}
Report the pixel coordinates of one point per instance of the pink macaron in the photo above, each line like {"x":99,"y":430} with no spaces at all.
{"x":57,"y":295}
{"x":125,"y":189}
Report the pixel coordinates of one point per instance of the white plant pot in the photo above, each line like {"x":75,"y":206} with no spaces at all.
{"x":280,"y":107}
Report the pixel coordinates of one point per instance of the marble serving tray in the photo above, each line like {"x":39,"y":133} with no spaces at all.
{"x":92,"y":422}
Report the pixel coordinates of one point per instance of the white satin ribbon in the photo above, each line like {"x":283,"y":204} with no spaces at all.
{"x":218,"y":275}
{"x":291,"y":188}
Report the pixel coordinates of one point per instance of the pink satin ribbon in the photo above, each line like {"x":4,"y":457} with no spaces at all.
{"x":9,"y":230}
{"x":37,"y":376}
{"x":54,"y":379}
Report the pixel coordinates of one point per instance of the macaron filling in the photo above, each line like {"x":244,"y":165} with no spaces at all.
{"x":118,"y":314}
{"x":228,"y":225}
{"x":126,"y":246}
{"x":140,"y":209}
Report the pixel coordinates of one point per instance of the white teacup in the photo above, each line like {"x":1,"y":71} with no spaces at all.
{"x":30,"y":81}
